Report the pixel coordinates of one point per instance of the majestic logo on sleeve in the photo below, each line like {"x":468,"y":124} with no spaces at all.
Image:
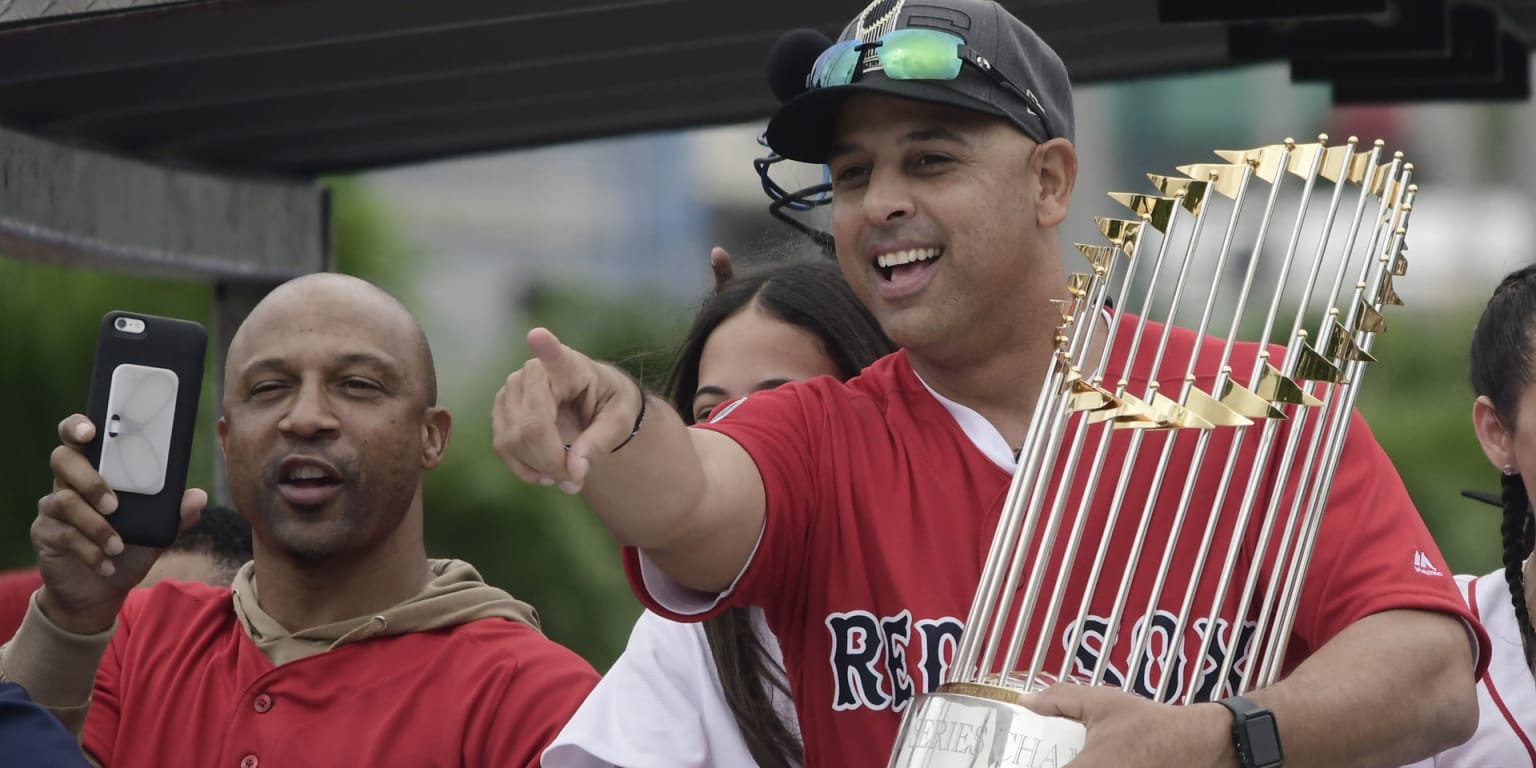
{"x":881,"y":663}
{"x":1424,"y":565}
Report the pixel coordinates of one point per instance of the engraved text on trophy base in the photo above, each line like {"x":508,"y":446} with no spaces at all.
{"x":945,"y":730}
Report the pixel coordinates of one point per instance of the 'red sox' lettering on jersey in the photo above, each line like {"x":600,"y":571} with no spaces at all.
{"x":881,"y":663}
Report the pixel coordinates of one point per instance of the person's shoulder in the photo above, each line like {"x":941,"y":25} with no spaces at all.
{"x":654,"y":627}
{"x":883,"y":375}
{"x":656,"y":637}
{"x":499,"y":660}
{"x":880,"y":384}
{"x":888,"y":373}
{"x":1182,"y":342}
{"x":499,"y":641}
{"x":172,"y":596}
{"x":178,"y":594}
{"x":663,"y":655}
{"x":188,"y":606}
{"x":875,"y":386}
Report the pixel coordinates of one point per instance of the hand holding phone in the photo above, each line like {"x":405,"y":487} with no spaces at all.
{"x":120,"y":474}
{"x":87,"y":569}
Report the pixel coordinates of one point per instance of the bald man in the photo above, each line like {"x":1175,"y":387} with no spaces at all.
{"x":341,"y":643}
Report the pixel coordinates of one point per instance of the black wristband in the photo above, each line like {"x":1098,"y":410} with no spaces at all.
{"x":1255,"y":735}
{"x":640,"y":417}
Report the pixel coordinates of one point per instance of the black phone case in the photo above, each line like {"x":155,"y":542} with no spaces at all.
{"x":176,"y":345}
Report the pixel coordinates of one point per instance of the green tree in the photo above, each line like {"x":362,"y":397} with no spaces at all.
{"x":541,"y":545}
{"x":1419,"y":405}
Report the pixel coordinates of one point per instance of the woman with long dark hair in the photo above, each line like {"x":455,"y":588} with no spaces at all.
{"x":715,"y":694}
{"x":1503,"y":374}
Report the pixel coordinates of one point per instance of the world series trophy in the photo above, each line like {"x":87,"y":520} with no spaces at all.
{"x":1158,"y":456}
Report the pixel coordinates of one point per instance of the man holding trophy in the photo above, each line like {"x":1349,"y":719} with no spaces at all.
{"x":962,"y":565}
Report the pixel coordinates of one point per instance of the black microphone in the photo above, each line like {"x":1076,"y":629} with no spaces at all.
{"x":1484,"y":497}
{"x":790,"y":61}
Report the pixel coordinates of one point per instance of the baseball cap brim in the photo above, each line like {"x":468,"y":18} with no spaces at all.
{"x":803,"y":127}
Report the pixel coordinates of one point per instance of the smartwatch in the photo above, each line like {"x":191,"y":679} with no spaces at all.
{"x":1254,"y":734}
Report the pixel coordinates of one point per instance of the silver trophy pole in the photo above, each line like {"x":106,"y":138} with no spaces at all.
{"x":1363,"y":339}
{"x":1299,"y":418}
{"x":1277,"y":161}
{"x":1324,"y":371}
{"x":1026,"y":613}
{"x":1341,"y":157}
{"x":1229,"y":564}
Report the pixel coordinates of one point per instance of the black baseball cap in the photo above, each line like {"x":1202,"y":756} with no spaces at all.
{"x":802,"y":127}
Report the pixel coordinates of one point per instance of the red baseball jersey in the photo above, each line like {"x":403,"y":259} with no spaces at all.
{"x":882,"y":500}
{"x":182,"y":684}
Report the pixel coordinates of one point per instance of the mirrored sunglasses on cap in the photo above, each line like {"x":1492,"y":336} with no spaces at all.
{"x":913,"y":54}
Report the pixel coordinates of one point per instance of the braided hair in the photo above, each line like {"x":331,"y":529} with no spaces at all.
{"x":1519,"y":539}
{"x":1501,"y":367}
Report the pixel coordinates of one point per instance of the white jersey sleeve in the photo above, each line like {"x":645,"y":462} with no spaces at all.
{"x":660,"y":704}
{"x":1506,"y":696}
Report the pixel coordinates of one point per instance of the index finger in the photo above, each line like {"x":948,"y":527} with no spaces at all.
{"x":720,"y":264}
{"x":569,"y":372}
{"x":549,"y":350}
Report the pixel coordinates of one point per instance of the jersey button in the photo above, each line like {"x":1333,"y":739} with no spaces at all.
{"x":263,"y":703}
{"x":249,"y":761}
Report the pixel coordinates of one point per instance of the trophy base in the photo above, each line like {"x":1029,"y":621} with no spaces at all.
{"x":968,"y":725}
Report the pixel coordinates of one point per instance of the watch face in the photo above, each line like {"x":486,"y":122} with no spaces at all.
{"x":1263,"y":740}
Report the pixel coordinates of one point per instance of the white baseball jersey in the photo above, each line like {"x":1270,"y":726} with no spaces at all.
{"x":1506,"y":696}
{"x":661,"y":705}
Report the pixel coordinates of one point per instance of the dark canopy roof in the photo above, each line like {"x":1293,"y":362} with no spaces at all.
{"x":301,"y":87}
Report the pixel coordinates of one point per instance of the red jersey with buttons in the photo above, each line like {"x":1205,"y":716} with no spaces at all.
{"x":182,"y":684}
{"x":881,"y":508}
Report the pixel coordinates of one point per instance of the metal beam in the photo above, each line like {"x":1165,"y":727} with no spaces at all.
{"x":205,"y":29}
{"x":302,"y":86}
{"x":65,"y":205}
{"x":15,"y":12}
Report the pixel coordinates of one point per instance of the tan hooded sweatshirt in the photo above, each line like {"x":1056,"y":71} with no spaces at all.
{"x":58,"y":668}
{"x":455,"y":595}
